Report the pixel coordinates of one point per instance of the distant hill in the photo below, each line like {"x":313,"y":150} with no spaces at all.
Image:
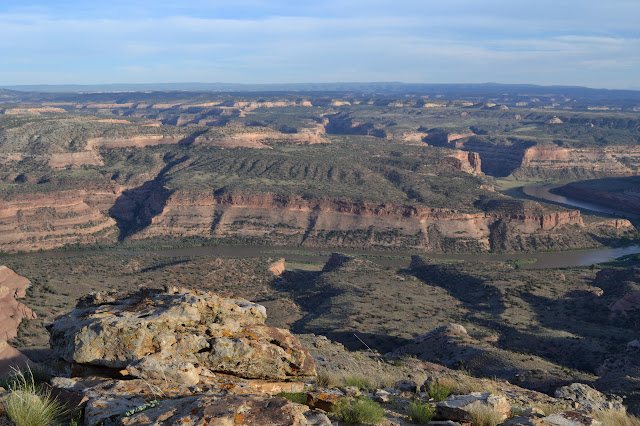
{"x":382,"y":88}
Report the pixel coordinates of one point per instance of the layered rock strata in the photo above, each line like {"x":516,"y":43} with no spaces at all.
{"x":47,"y":220}
{"x":54,"y":219}
{"x":545,"y":160}
{"x":293,"y":219}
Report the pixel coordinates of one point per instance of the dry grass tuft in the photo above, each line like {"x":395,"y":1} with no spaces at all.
{"x":463,"y":384}
{"x":364,"y":380}
{"x":617,"y":418}
{"x":483,"y":415}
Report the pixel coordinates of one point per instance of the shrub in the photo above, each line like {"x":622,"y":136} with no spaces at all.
{"x":361,"y":410}
{"x":297,"y":397}
{"x":27,"y":404}
{"x":328,"y":379}
{"x":420,"y":413}
{"x":438,"y":391}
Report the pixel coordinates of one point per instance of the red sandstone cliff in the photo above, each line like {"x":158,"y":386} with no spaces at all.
{"x":49,"y":220}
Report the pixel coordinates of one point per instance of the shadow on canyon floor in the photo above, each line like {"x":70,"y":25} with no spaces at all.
{"x":135,"y":208}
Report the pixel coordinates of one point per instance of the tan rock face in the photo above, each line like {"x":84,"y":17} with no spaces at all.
{"x":14,"y":282}
{"x":175,"y":332}
{"x":12,"y":312}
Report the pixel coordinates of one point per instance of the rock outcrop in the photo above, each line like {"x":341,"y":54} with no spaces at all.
{"x":12,"y":312}
{"x":47,"y":220}
{"x":589,"y":398}
{"x":462,"y":408}
{"x":212,"y":410}
{"x":177,"y":335}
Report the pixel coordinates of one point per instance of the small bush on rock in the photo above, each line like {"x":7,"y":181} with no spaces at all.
{"x":438,"y":391}
{"x":361,"y":410}
{"x":420,"y":413}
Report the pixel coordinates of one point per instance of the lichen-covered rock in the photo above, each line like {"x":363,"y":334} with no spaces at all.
{"x":324,"y":400}
{"x":175,"y":332}
{"x":590,"y":399}
{"x":107,"y":399}
{"x":212,"y":410}
{"x":173,"y":371}
{"x":571,"y":418}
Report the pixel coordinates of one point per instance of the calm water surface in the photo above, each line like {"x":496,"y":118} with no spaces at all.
{"x":543,"y":193}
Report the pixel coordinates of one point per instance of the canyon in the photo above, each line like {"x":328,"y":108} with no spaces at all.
{"x":56,"y":219}
{"x":311,"y":170}
{"x":532,"y":160}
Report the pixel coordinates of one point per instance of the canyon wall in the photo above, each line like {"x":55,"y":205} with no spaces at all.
{"x":30,"y":222}
{"x":550,"y":161}
{"x":555,"y":161}
{"x":104,"y":215}
{"x":330,"y":222}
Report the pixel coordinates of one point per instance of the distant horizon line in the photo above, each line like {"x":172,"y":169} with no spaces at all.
{"x":329,"y":86}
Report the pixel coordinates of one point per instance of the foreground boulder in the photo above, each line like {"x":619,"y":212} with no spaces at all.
{"x":463,"y":407}
{"x":177,"y":334}
{"x":590,"y":399}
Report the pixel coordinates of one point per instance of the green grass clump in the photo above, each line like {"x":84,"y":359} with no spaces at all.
{"x":361,"y":410}
{"x":28,"y":404}
{"x":297,"y":397}
{"x":420,"y":412}
{"x":439,"y":392}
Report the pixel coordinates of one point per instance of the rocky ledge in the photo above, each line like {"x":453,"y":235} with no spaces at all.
{"x":178,"y":335}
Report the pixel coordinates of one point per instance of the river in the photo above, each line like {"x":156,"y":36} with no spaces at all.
{"x":386,"y":258}
{"x":543,"y":192}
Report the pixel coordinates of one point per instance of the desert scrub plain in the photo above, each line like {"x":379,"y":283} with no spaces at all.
{"x":537,"y":328}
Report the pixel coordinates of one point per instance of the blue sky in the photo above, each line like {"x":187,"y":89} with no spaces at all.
{"x":588,"y":43}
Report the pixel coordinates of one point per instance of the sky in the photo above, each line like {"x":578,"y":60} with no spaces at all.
{"x":593,"y":43}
